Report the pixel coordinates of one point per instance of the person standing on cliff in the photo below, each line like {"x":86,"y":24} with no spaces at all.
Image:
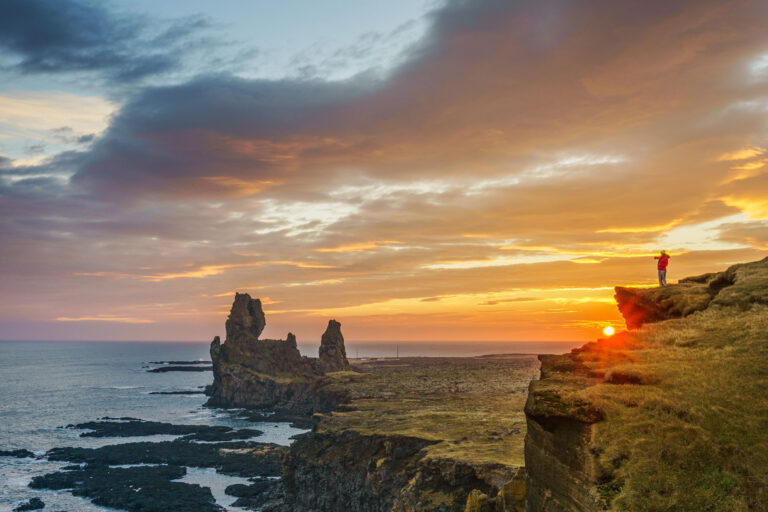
{"x":663,"y":258}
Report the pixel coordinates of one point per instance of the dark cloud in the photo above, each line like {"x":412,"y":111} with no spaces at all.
{"x":35,"y":149}
{"x":753,"y":234}
{"x":71,"y":36}
{"x":167,"y":138}
{"x":67,"y":135}
{"x":498,"y":86}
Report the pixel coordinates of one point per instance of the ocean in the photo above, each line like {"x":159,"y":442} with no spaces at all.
{"x":45,"y":386}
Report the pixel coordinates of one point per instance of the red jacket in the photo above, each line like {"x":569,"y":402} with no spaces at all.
{"x":663,"y":260}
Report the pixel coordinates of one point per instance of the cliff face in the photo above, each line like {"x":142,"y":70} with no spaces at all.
{"x":254,"y":373}
{"x":377,"y":473}
{"x":561,"y":470}
{"x":635,"y":422}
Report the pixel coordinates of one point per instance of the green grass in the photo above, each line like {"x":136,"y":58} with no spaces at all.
{"x":472,"y":407}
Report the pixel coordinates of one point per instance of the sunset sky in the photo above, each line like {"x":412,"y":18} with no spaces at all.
{"x":418,"y":170}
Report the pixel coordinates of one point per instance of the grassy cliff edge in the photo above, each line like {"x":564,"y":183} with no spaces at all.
{"x":670,"y":416}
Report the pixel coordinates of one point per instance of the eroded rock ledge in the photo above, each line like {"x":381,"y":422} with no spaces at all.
{"x":272,"y":374}
{"x":740,"y":285}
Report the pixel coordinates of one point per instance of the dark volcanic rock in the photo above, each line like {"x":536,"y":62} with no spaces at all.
{"x":190,"y":392}
{"x":231,"y":435}
{"x":265,"y":495}
{"x":180,"y":362}
{"x":270,"y":374}
{"x":140,"y":489}
{"x":165,"y":369}
{"x":243,"y":346}
{"x":20,"y":454}
{"x":294,"y":418}
{"x":257,"y":495}
{"x":249,"y":491}
{"x":246,"y":319}
{"x":349,"y":471}
{"x":333,"y":356}
{"x":134,"y":427}
{"x":239,"y":458}
{"x":31,"y":504}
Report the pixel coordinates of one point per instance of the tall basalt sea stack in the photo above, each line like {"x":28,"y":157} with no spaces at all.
{"x":333,"y":356}
{"x":246,"y":320}
{"x":263,"y":373}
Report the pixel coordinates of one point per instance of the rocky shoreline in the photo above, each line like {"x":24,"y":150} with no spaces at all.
{"x":143,"y":476}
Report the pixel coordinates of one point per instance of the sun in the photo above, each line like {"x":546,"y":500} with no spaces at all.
{"x":608,"y":330}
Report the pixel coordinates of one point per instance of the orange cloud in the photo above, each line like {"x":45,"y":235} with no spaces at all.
{"x":357,"y":247}
{"x":741,"y":154}
{"x":105,"y":318}
{"x":240,"y":187}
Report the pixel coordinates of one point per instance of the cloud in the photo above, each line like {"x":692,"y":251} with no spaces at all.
{"x":67,"y":135}
{"x":515,"y":299}
{"x":71,"y":36}
{"x":742,"y":154}
{"x":754,"y":234}
{"x":105,"y":318}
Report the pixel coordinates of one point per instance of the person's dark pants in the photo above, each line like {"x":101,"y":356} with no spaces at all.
{"x":662,"y":278}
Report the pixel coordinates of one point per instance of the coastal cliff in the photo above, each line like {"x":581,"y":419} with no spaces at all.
{"x":271,"y":374}
{"x":418,"y":435}
{"x":670,"y":415}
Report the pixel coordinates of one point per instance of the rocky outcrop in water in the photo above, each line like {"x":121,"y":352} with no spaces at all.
{"x":271,"y":374}
{"x":134,"y":427}
{"x":20,"y":454}
{"x":31,"y":504}
{"x":135,"y":489}
{"x":333,"y":356}
{"x":142,"y":476}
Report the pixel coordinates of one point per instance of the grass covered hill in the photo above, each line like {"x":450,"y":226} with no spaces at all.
{"x":678,"y":407}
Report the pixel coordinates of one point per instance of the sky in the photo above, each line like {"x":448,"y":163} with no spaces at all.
{"x":418,"y":170}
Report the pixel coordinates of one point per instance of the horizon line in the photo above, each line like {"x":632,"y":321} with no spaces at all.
{"x":318,"y":341}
